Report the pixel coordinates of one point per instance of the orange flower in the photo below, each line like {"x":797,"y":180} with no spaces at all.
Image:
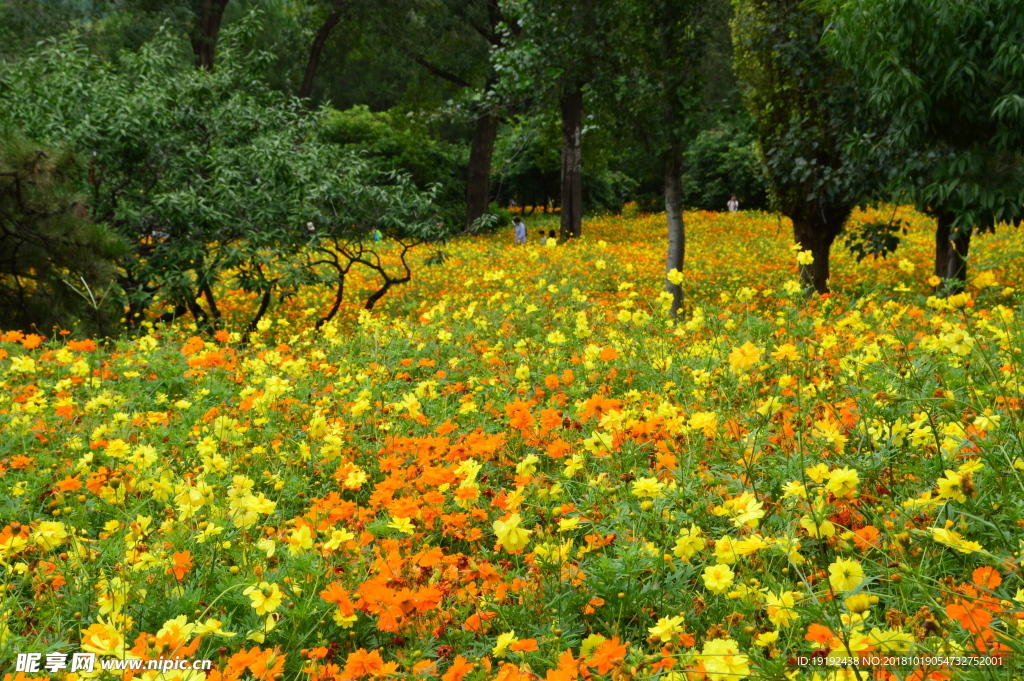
{"x":182,"y":564}
{"x":361,"y":664}
{"x":987,"y":577}
{"x":817,"y":633}
{"x":459,"y":668}
{"x":31,"y":341}
{"x":866,"y":537}
{"x":607,"y":654}
{"x":81,"y":346}
{"x":526,"y":645}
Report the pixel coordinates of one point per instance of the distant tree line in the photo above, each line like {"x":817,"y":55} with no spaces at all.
{"x":154,"y":121}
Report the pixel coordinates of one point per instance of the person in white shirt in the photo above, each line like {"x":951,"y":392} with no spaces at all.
{"x":520,"y":230}
{"x":734,"y":204}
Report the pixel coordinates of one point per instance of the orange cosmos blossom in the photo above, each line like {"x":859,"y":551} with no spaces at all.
{"x":607,"y":654}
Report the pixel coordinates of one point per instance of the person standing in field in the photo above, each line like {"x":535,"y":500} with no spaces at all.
{"x":734,"y":204}
{"x":520,"y":230}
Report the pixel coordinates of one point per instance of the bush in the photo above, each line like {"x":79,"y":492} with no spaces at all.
{"x":721,"y":162}
{"x":210,"y":176}
{"x":56,"y":266}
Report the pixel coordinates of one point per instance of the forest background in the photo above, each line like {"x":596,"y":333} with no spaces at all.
{"x":156,"y":152}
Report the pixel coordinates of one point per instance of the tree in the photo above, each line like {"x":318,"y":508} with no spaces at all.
{"x":806,"y":106}
{"x":56,"y":266}
{"x":563,"y":48}
{"x":658,"y":90}
{"x":206,"y":29}
{"x":951,"y":77}
{"x":209,"y":175}
{"x":336,"y":11}
{"x":452,"y":41}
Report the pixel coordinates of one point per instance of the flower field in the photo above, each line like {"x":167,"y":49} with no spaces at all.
{"x":518,"y":467}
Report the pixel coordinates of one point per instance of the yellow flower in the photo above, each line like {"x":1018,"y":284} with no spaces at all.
{"x":804,"y":258}
{"x":211,"y":626}
{"x":845,"y":575}
{"x":766,"y":639}
{"x":675,"y":276}
{"x":723,"y":662}
{"x":103,"y":639}
{"x":299,"y":540}
{"x":842,"y":481}
{"x":815,"y":530}
{"x":985,"y":279}
{"x":338,"y":537}
{"x":706,"y":421}
{"x":782,"y":607}
{"x":556,"y":338}
{"x":511,"y":537}
{"x":403,"y":525}
{"x":954,"y":540}
{"x":648,"y":487}
{"x":744,"y":510}
{"x":817,"y":473}
{"x":952,"y":486}
{"x":744,"y":357}
{"x":666,"y":628}
{"x":265,"y":597}
{"x":688,"y":543}
{"x":503,"y":642}
{"x":49,"y":534}
{"x":718,"y":578}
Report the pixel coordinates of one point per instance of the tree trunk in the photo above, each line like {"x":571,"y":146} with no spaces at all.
{"x":818,"y":240}
{"x":338,"y":8}
{"x":572,"y":164}
{"x":676,"y":228}
{"x":204,"y":35}
{"x":951,"y":248}
{"x":478,"y":177}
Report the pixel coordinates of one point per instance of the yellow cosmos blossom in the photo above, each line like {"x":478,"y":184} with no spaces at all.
{"x":338,"y":537}
{"x":265,"y":597}
{"x":723,"y":661}
{"x":688,"y":543}
{"x":954,"y":540}
{"x":718,"y":578}
{"x":648,"y":488}
{"x":102,"y":638}
{"x":845,"y":575}
{"x":503,"y":642}
{"x":666,"y":628}
{"x":706,"y":421}
{"x":403,"y":525}
{"x":299,"y":540}
{"x":49,"y":534}
{"x":952,"y":486}
{"x":782,"y":607}
{"x":744,"y":357}
{"x":511,"y":537}
{"x":212,"y":626}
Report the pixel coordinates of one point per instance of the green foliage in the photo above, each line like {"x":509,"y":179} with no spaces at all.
{"x":804,"y":105}
{"x":877,"y":239}
{"x":403,"y":141}
{"x":950,"y":76}
{"x":211,"y":176}
{"x":56,"y":267}
{"x":720,"y":162}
